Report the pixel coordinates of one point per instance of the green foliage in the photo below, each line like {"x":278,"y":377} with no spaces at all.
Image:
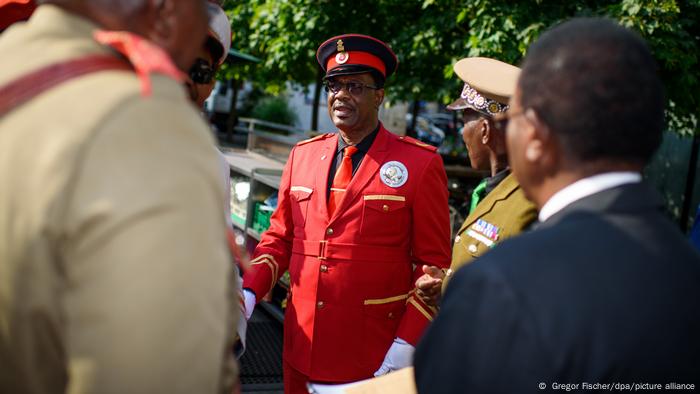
{"x":274,"y":109}
{"x":429,"y":36}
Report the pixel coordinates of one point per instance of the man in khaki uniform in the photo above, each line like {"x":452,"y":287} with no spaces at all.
{"x":499,"y":209}
{"x":115,"y":276}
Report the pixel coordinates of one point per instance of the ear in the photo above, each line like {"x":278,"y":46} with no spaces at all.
{"x":164,"y":21}
{"x":486,"y":131}
{"x":378,"y":97}
{"x":541,"y":146}
{"x":494,"y":138}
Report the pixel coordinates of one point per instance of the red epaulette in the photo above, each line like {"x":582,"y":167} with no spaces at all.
{"x":317,"y":138}
{"x":145,"y":57}
{"x":413,"y":141}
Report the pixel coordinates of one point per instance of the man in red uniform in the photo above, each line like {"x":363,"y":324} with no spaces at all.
{"x":360,"y":212}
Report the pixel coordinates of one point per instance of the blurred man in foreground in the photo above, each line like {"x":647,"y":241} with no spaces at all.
{"x":115,"y":276}
{"x":606,"y":289}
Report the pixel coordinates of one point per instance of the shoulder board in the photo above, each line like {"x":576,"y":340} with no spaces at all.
{"x":317,"y":138}
{"x":144,"y":56}
{"x":413,"y":141}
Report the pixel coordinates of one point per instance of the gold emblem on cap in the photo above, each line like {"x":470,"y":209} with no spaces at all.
{"x":341,"y":57}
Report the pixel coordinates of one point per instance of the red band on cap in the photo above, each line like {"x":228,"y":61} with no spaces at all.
{"x":357,"y":57}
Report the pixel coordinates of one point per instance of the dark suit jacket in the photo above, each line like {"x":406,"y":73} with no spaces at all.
{"x":605,"y":291}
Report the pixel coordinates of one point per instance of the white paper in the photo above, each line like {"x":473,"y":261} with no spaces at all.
{"x":318,"y":388}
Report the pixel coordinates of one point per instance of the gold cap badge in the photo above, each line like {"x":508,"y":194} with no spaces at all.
{"x":341,"y":57}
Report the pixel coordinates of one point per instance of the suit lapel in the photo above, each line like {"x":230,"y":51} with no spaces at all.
{"x":326,"y":157}
{"x":501,"y":192}
{"x":369,"y":166}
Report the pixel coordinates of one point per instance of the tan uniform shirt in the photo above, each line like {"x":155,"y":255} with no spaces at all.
{"x":115,"y":276}
{"x":508,"y":213}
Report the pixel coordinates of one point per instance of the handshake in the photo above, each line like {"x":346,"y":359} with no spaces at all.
{"x":429,"y":285}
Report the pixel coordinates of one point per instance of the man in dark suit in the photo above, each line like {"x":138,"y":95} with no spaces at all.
{"x":605,"y":290}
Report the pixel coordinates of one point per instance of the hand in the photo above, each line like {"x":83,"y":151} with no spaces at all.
{"x":400,"y":355}
{"x":249,"y":301}
{"x":429,"y":285}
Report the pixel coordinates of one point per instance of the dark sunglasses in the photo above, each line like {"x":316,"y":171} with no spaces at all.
{"x":202,"y":72}
{"x":352,"y":87}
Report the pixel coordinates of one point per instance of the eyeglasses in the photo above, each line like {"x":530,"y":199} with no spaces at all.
{"x":501,"y":120}
{"x":202,"y":72}
{"x":352,"y":87}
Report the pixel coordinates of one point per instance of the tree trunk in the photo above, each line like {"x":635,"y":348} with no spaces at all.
{"x":411,"y":132}
{"x":232,"y":113}
{"x":317,"y":100}
{"x":686,"y":209}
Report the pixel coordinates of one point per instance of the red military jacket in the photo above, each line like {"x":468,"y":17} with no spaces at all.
{"x":352,"y":275}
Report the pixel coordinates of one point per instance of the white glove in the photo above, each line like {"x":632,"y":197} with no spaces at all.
{"x":249,"y":301}
{"x":400,"y":355}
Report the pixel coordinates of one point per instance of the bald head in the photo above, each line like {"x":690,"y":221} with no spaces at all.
{"x":594,"y":83}
{"x":178,"y":26}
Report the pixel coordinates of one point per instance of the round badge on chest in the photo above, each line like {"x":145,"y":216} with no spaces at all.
{"x":394,"y":174}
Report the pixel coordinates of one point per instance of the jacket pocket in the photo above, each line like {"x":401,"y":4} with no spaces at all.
{"x":301,"y":196}
{"x":381,"y":318}
{"x":383,"y":214}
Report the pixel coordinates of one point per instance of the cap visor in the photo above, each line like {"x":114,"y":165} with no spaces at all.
{"x":350,"y":69}
{"x":458,"y":105}
{"x":461,"y":104}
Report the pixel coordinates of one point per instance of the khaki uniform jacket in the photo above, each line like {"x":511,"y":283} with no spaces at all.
{"x":506,"y":208}
{"x":115,"y":275}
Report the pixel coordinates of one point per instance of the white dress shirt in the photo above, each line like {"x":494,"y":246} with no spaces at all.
{"x":584,"y":188}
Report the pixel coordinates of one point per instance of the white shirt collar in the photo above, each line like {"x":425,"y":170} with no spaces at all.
{"x":584,"y":188}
